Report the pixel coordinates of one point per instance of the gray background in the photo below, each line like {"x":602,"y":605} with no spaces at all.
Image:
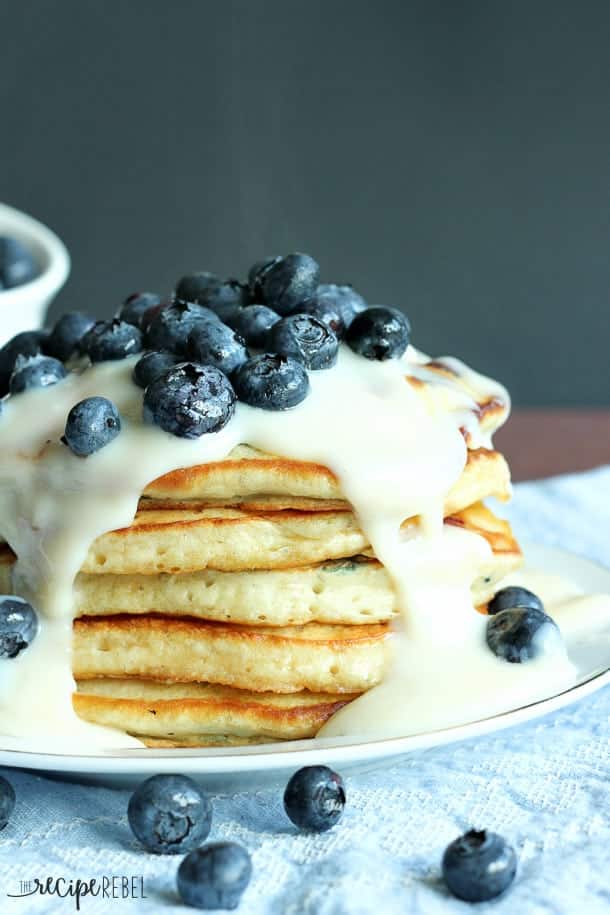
{"x":449,"y":157}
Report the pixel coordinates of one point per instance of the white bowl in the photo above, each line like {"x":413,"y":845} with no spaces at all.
{"x":24,"y":307}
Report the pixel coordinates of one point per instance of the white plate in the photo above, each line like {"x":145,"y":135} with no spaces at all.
{"x":229,"y":768}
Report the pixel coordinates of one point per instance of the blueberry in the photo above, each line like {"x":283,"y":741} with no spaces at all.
{"x":344,"y":299}
{"x":17,"y":266}
{"x":256,"y":275}
{"x":171,"y":326}
{"x":27,"y":343}
{"x":35,"y":372}
{"x":325,"y":311}
{"x":290,"y":280}
{"x":169,"y":814}
{"x":136,"y":305}
{"x":479,"y":866}
{"x":271,"y":382}
{"x":511,"y":597}
{"x":215,"y":876}
{"x":305,"y":338}
{"x":108,"y":340}
{"x":151,"y":313}
{"x":151,"y":365}
{"x":314,"y":798}
{"x":213,"y":343}
{"x":7,"y":801}
{"x":18,"y":626}
{"x":516,"y":634}
{"x":230,"y":293}
{"x":194,"y":286}
{"x":67,"y":333}
{"x":92,"y":423}
{"x":379,"y":333}
{"x":190,"y":400}
{"x":254,"y":323}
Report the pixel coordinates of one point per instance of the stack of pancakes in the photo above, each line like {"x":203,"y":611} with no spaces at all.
{"x":244,"y":604}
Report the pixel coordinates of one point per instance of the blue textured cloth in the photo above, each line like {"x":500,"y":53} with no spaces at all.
{"x":543,"y":785}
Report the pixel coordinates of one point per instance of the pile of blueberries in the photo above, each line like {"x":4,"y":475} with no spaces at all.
{"x":214,"y":342}
{"x":171,"y":815}
{"x":17,"y":265}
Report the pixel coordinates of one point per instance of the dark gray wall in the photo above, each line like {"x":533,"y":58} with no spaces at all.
{"x":449,"y":157}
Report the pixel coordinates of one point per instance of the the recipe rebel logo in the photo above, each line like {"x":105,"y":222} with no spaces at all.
{"x":105,"y":887}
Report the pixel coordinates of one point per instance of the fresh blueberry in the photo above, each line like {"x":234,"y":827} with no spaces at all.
{"x":7,"y":801}
{"x":195,"y":286}
{"x":271,"y":382}
{"x":92,"y":423}
{"x":290,"y":280}
{"x":67,"y":333}
{"x":136,"y":305}
{"x":213,"y":343}
{"x":108,"y":340}
{"x":256,"y":275}
{"x":17,"y":266}
{"x":344,"y":299}
{"x":190,"y":400}
{"x":518,"y":634}
{"x":215,"y":876}
{"x":35,"y":372}
{"x":314,"y":798}
{"x":325,"y":311}
{"x":169,"y":814}
{"x":18,"y":626}
{"x":511,"y":597}
{"x":27,"y":343}
{"x":230,"y":293}
{"x":479,"y":866}
{"x":379,"y":333}
{"x":151,"y":313}
{"x":151,"y":365}
{"x":254,"y":323}
{"x":171,"y":326}
{"x":307,"y":339}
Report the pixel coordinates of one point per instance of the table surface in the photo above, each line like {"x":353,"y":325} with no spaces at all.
{"x":540,"y":442}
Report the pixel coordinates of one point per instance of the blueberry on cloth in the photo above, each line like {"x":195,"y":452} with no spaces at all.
{"x":109,"y":340}
{"x":213,"y":343}
{"x":314,"y":798}
{"x":513,"y":596}
{"x":171,"y":326}
{"x":7,"y":801}
{"x":136,"y":305}
{"x":379,"y":333}
{"x":67,"y":333}
{"x":271,"y":382}
{"x":26,"y":343}
{"x":92,"y":423}
{"x":151,"y":365}
{"x":517,"y":634}
{"x":256,"y":275}
{"x":478,"y":866}
{"x":290,"y":280}
{"x":306,"y":339}
{"x":195,"y":286}
{"x":35,"y":372}
{"x":169,"y":814}
{"x":18,"y":626}
{"x":344,"y":299}
{"x":17,"y":266}
{"x":189,"y":400}
{"x":254,"y":323}
{"x":215,"y":876}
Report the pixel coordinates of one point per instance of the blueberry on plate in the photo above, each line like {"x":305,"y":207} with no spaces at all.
{"x":513,"y":596}
{"x":27,"y":343}
{"x":195,"y":286}
{"x":290,"y":280}
{"x":151,"y":365}
{"x":169,"y":814}
{"x":171,"y":326}
{"x":7,"y":801}
{"x":256,"y":275}
{"x":479,"y":865}
{"x":314,"y":798}
{"x":379,"y":333}
{"x":67,"y":333}
{"x":306,"y":339}
{"x":343,"y":299}
{"x":271,"y":382}
{"x":110,"y":340}
{"x":18,"y":626}
{"x":215,"y":876}
{"x":190,"y":400}
{"x":323,"y":310}
{"x":136,"y":305}
{"x":17,"y":266}
{"x":91,"y":424}
{"x":519,"y":634}
{"x":213,"y":343}
{"x":35,"y":372}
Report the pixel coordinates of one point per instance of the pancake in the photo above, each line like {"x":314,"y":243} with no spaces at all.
{"x":197,"y":714}
{"x":320,"y":658}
